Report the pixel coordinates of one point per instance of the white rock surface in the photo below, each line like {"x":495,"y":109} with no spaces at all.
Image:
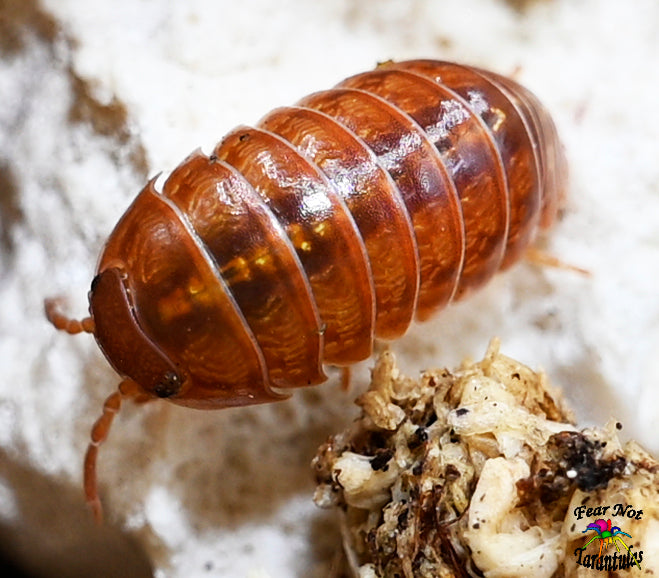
{"x":229,"y":493}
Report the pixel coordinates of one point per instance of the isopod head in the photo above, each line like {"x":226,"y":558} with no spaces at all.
{"x":128,"y":349}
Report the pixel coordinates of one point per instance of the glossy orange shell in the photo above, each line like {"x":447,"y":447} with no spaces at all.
{"x":330,"y":223}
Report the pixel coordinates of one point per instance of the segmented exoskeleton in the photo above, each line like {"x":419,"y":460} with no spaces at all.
{"x":331,"y":223}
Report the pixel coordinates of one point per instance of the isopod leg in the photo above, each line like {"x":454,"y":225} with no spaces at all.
{"x":539,"y":257}
{"x":100,"y":430}
{"x":345,"y":378}
{"x":64,"y":323}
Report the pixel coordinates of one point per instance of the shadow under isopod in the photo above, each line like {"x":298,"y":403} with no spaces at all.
{"x":46,"y":530}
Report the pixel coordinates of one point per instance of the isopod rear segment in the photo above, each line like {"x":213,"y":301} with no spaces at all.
{"x":329,"y":224}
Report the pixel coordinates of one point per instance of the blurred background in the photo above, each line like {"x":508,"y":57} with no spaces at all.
{"x":99,"y":96}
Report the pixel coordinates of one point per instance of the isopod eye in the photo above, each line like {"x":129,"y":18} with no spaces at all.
{"x":169,"y":385}
{"x":128,"y":349}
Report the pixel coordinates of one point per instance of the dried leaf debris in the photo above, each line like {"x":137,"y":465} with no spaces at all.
{"x":481,"y":472}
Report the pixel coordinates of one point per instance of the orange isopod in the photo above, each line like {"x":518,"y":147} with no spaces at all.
{"x":331,"y":223}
